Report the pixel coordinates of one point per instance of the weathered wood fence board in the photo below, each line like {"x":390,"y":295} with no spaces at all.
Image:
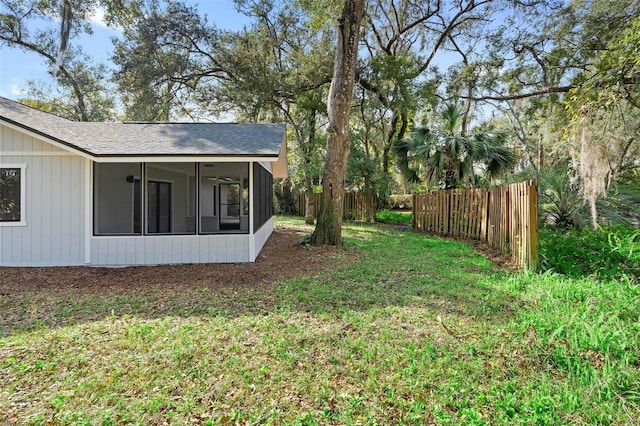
{"x":504,"y":217}
{"x":356,"y":206}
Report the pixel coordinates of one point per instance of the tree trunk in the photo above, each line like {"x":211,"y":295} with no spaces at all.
{"x":399,"y":116}
{"x":540,"y":155}
{"x":329,"y":225}
{"x":309,"y":207}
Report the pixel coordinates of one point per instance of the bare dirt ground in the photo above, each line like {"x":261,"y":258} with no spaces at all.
{"x":31,"y":298}
{"x":54,"y":296}
{"x":281,"y":258}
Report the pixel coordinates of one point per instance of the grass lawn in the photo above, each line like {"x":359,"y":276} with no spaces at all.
{"x":416,"y":330}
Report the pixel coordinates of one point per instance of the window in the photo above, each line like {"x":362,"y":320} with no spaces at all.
{"x":117,"y":199}
{"x":263,"y":196}
{"x":171,"y":198}
{"x":12,"y":195}
{"x":223,"y":198}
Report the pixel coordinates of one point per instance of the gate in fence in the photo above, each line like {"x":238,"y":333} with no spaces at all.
{"x":505,"y":217}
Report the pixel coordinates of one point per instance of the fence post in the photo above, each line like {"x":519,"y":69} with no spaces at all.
{"x":413,"y":212}
{"x":533,"y":252}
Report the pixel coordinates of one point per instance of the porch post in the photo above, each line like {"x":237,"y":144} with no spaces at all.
{"x":88,"y":210}
{"x":252,"y":238}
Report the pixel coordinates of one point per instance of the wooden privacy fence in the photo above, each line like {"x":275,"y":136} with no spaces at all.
{"x":356,"y":205}
{"x":505,"y":217}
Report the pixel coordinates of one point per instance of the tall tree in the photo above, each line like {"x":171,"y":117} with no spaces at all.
{"x":61,"y":99}
{"x":162,"y":59}
{"x":21,"y":26}
{"x":329,"y":226}
{"x":403,"y":40}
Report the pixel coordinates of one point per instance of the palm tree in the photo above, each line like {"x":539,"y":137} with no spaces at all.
{"x":559,"y":196}
{"x":450,"y":157}
{"x":561,"y":205}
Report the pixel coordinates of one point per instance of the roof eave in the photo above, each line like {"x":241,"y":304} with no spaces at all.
{"x":59,"y":143}
{"x":280,"y":167}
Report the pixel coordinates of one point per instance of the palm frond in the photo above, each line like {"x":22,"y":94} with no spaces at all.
{"x":499,"y":160}
{"x":451,"y":115}
{"x":401,"y":149}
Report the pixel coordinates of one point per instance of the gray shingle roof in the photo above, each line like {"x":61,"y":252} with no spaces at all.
{"x":149,"y":139}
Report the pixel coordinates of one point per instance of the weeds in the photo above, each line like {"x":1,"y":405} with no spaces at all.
{"x":606,"y":253}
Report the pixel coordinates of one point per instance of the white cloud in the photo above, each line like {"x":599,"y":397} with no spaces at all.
{"x":97,"y":18}
{"x":16,"y":90}
{"x":11,"y":91}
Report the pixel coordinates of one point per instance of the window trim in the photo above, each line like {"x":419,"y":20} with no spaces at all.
{"x":23,"y":194}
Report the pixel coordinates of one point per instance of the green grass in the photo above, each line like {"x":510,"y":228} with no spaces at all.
{"x":394,"y":217}
{"x":417,"y":330}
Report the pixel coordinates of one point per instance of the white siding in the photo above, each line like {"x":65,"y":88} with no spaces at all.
{"x":56,"y":182}
{"x":267,"y":165}
{"x":262,"y":236}
{"x":166,"y":249}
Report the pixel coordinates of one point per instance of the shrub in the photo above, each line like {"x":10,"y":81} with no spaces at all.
{"x":605,"y":253}
{"x":401,"y":201}
{"x":394,"y":217}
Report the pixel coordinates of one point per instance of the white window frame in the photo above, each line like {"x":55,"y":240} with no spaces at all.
{"x":23,"y":194}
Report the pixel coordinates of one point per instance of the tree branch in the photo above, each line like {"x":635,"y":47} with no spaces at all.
{"x":545,"y":91}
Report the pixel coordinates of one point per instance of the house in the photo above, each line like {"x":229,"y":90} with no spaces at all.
{"x":76,"y":193}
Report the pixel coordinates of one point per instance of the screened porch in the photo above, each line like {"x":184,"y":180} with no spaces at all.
{"x":170,"y":198}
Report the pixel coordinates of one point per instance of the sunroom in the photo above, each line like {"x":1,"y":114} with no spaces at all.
{"x":180,"y":212}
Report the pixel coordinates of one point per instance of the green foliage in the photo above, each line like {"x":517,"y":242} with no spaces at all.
{"x":394,"y":217}
{"x":561,"y":205}
{"x":559,"y":200}
{"x":365,"y":173}
{"x":449,"y":157}
{"x":584,"y":331}
{"x":160,"y":63}
{"x":49,"y":30}
{"x":614,"y":77}
{"x":83,"y":94}
{"x":284,"y":202}
{"x":401,"y":201}
{"x":606,"y":253}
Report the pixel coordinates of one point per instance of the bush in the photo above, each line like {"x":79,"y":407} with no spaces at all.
{"x":283,"y":199}
{"x":394,"y":217}
{"x":401,"y":201}
{"x":605,"y":253}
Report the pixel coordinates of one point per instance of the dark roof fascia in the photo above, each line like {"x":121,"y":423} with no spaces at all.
{"x":46,"y":136}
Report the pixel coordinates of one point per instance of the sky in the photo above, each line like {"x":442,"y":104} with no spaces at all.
{"x":17,"y":66}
